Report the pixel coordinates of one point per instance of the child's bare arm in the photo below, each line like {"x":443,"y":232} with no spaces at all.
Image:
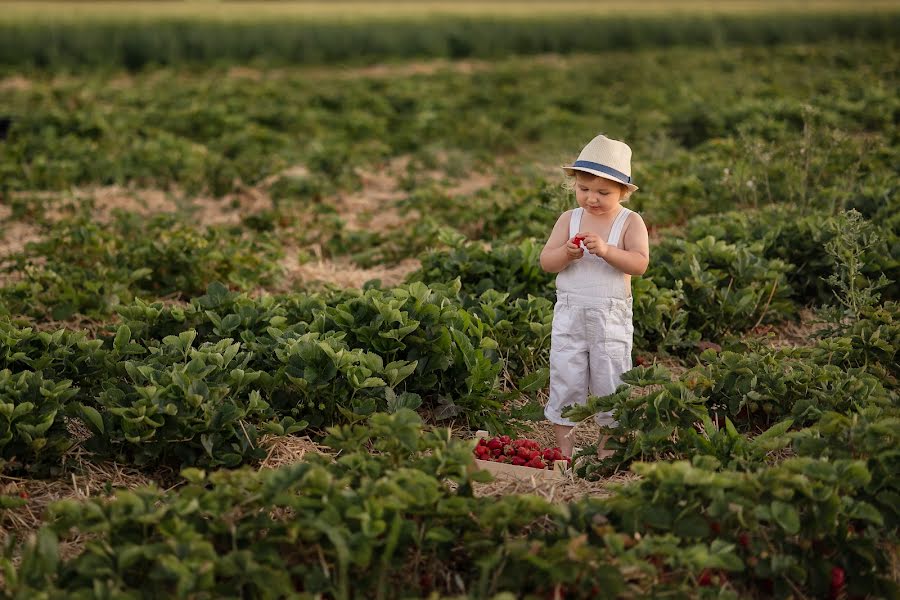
{"x":634,"y":256}
{"x":559,"y":250}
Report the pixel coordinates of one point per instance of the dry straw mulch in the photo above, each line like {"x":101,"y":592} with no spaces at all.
{"x":80,"y":480}
{"x":288,"y":449}
{"x":553,"y":490}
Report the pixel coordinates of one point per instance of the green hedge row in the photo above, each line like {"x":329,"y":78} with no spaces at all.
{"x":133,"y":46}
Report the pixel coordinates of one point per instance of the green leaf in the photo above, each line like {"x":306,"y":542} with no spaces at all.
{"x":207,"y":442}
{"x":93,"y":417}
{"x":406,"y":400}
{"x":786,"y":516}
{"x":535,"y":381}
{"x":123,"y":336}
{"x":229,"y":323}
{"x":21,"y":409}
{"x":440,"y":535}
{"x":866,"y":512}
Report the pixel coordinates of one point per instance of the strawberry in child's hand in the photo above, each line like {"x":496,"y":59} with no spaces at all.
{"x":578,"y":239}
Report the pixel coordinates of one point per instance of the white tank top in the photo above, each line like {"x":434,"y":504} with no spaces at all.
{"x":591,"y":275}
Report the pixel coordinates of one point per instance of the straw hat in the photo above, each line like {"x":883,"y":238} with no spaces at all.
{"x":603,"y":157}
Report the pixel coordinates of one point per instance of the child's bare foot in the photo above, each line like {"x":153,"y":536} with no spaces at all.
{"x":564,"y":439}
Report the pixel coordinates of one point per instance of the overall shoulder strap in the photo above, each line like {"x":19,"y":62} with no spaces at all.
{"x":619,"y":224}
{"x":575,"y":222}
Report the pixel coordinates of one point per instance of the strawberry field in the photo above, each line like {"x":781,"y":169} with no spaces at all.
{"x":253,"y":311}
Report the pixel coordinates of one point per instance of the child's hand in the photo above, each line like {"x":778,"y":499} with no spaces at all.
{"x":573,"y":249}
{"x":594,"y":244}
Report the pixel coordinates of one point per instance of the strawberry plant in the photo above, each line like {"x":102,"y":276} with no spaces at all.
{"x":660,"y":319}
{"x":869,"y":434}
{"x":324,"y":382}
{"x":520,"y":327}
{"x":727,"y":287}
{"x":708,"y":409}
{"x":869,"y":342}
{"x":60,"y":354}
{"x":783,"y":524}
{"x":181,"y":405}
{"x":756,"y":388}
{"x":456,"y":367}
{"x":798,"y":237}
{"x":33,"y":431}
{"x":513,"y":269}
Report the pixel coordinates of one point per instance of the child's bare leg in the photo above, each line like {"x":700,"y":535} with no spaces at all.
{"x":564,"y":438}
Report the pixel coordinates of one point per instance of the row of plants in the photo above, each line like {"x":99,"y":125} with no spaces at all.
{"x":725,"y":142}
{"x":386,"y":524}
{"x":197,"y":384}
{"x":149,"y":40}
{"x":81,"y":267}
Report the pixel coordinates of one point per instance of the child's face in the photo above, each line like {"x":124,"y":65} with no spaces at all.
{"x":596,"y":195}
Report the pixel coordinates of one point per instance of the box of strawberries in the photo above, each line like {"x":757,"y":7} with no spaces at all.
{"x":519,"y":458}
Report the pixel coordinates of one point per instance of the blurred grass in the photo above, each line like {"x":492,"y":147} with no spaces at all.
{"x":86,"y":44}
{"x":354,"y":10}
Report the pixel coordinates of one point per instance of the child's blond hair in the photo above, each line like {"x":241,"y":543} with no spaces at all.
{"x":573,"y":178}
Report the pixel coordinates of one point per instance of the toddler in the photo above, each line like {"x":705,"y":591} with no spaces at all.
{"x":592,"y":331}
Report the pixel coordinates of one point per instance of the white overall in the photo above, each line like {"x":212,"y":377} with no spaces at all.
{"x":590,"y":344}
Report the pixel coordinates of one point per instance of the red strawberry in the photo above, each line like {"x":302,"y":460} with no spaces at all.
{"x":744,"y":540}
{"x":23,"y":495}
{"x":519,"y":461}
{"x":577,"y":240}
{"x":549,"y":454}
{"x":536,"y":463}
{"x":524,"y":453}
{"x":508,"y":450}
{"x":716,"y":527}
{"x":504,"y":439}
{"x":705,"y":578}
{"x":494,"y":444}
{"x":496,"y":452}
{"x":838,"y":578}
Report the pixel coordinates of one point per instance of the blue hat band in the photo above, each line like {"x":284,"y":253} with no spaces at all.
{"x":586,"y":164}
